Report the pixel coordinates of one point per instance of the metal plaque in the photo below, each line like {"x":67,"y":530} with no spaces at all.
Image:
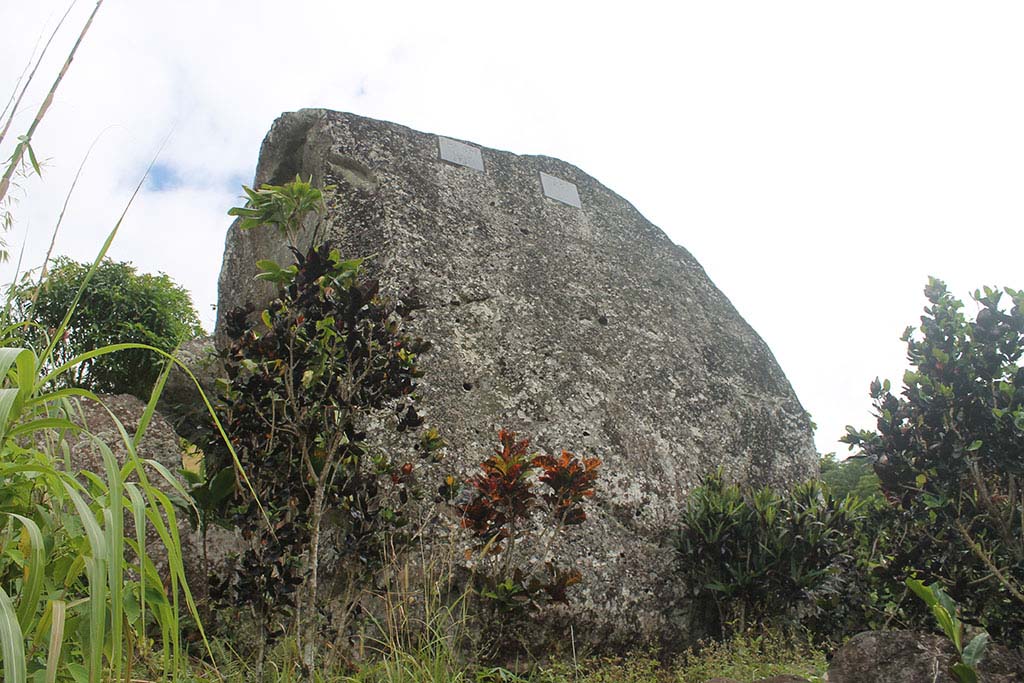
{"x":460,"y":153}
{"x":560,"y":190}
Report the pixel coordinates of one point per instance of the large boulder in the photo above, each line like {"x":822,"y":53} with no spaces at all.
{"x":909,"y":657}
{"x":555,"y":309}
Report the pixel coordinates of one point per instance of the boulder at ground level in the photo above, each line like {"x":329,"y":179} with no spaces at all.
{"x":555,"y":309}
{"x":911,"y":657}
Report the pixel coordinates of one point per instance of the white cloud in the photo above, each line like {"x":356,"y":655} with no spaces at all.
{"x":820,"y":160}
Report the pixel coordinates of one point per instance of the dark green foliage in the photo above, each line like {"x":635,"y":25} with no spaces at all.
{"x":762,"y":557}
{"x":300,"y":381}
{"x":949,"y":453}
{"x":119,"y":305}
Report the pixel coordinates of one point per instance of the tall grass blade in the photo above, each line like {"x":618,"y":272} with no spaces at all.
{"x":33,"y":586}
{"x":59,"y":610}
{"x":44,"y":107}
{"x":9,"y":111}
{"x":114,"y":514}
{"x":154,"y":397}
{"x":97,"y":575}
{"x":138,"y":505}
{"x":60,"y":219}
{"x":12,"y":642}
{"x":22,"y":364}
{"x":59,"y":332}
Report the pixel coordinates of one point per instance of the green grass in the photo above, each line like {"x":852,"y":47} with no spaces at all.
{"x":743,"y":657}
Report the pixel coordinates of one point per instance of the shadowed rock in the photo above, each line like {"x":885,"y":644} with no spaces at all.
{"x":583,"y":327}
{"x":910,"y":657}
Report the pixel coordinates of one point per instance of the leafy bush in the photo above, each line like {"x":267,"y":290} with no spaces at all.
{"x":301,"y":381}
{"x":949,"y":453}
{"x":758,"y":557}
{"x":67,"y":588}
{"x":118,"y":305}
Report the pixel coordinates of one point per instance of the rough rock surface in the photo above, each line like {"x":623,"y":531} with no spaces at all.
{"x":910,"y":657}
{"x":180,"y":401}
{"x":159,"y":443}
{"x":584,"y":328}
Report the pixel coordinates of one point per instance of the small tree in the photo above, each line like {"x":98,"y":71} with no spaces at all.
{"x":949,"y":452}
{"x":302,"y":378}
{"x":119,"y":305}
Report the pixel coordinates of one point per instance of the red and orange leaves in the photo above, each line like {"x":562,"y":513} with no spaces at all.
{"x":571,"y":479}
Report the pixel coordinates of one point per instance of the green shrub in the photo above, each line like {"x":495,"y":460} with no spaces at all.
{"x":755,"y":557}
{"x":949,"y":453}
{"x":118,"y":305}
{"x":853,"y":475}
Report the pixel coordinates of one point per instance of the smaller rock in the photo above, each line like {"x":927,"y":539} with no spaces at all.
{"x":910,"y":657}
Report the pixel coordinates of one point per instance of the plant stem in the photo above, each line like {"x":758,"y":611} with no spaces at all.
{"x":5,"y":182}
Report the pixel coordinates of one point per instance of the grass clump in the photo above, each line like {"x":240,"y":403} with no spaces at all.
{"x":752,"y":655}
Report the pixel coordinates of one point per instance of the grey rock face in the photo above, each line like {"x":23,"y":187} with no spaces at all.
{"x":583,"y":327}
{"x":181,"y":402}
{"x":159,"y":443}
{"x":910,"y":657}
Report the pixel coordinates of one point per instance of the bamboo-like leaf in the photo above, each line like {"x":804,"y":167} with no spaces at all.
{"x":96,"y":572}
{"x":154,"y":397}
{"x":36,"y":565}
{"x":138,"y":505}
{"x":97,"y":543}
{"x":59,"y":610}
{"x":95,"y":569}
{"x":12,"y":642}
{"x":114,"y":516}
{"x":56,"y":423}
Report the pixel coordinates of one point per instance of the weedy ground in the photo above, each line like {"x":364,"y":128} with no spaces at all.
{"x":743,"y":657}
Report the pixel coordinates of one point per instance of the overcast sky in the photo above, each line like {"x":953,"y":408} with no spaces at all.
{"x":820,"y":159}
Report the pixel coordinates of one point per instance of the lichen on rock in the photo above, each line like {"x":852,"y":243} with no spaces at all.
{"x":584,"y":328}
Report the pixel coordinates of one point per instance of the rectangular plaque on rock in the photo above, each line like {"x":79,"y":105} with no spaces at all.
{"x":460,"y":153}
{"x":560,"y":190}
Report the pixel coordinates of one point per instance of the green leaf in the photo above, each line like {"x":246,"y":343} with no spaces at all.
{"x":975,"y":445}
{"x":964,"y":673}
{"x":36,"y":566}
{"x":975,"y":650}
{"x":223,"y":484}
{"x":921,"y":591}
{"x":12,"y":642}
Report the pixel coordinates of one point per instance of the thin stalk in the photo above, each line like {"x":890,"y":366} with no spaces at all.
{"x":19,"y":151}
{"x":60,"y":218}
{"x":11,"y":111}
